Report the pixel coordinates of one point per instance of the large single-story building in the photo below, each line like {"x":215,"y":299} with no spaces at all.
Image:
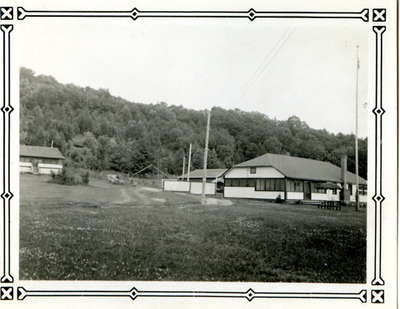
{"x":271,"y":176}
{"x":40,"y":160}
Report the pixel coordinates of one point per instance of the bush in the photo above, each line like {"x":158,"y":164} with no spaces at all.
{"x":71,"y":176}
{"x":279,"y":199}
{"x":85,"y":178}
{"x":77,"y":179}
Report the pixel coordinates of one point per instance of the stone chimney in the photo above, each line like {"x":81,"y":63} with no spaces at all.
{"x":344,"y":196}
{"x":343,"y":165}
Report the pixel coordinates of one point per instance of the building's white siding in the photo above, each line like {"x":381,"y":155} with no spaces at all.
{"x":197,"y":187}
{"x":328,"y":196}
{"x":48,"y":168}
{"x":362,"y":198}
{"x":248,"y":192}
{"x":261,"y":172}
{"x":175,"y":185}
{"x":25,"y":167}
{"x":295,"y":195}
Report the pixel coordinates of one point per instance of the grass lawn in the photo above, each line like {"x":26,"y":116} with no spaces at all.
{"x":111,"y":232}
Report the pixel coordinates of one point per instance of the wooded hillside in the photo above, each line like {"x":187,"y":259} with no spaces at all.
{"x":96,"y":130}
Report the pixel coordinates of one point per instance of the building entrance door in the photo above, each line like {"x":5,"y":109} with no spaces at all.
{"x":307,"y":190}
{"x":35,"y":166}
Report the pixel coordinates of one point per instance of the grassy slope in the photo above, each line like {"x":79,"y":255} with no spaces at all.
{"x":104,"y":232}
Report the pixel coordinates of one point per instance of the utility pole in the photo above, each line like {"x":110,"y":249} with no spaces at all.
{"x":159,"y":162}
{"x":158,"y":168}
{"x":356,"y":135}
{"x":189,"y":160}
{"x":203,"y":188}
{"x":183,"y":167}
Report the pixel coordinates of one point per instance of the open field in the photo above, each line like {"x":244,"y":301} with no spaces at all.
{"x":114,"y":232}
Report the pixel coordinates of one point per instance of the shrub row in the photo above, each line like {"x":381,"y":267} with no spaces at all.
{"x":71,"y":176}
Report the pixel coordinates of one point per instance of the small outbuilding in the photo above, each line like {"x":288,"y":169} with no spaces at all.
{"x":213,"y":175}
{"x":40,"y":159}
{"x":273,"y":176}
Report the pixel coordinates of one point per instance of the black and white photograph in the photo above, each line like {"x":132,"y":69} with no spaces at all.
{"x":211,"y":153}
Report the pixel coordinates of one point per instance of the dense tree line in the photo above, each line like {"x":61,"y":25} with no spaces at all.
{"x":96,"y":130}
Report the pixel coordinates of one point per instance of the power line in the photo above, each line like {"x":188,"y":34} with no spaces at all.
{"x":266,"y":56}
{"x":272,"y":53}
{"x":276,"y":53}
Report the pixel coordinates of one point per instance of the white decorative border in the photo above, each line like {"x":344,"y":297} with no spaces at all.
{"x":7,"y":13}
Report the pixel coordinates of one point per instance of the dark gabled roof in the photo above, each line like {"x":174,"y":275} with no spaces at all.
{"x":301,"y":168}
{"x":40,"y":152}
{"x":211,"y":173}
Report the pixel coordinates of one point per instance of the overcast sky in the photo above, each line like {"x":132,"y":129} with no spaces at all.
{"x":277,"y":69}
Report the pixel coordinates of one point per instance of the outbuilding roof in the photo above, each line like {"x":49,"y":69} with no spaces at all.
{"x":40,"y":152}
{"x":211,"y":173}
{"x":301,"y":168}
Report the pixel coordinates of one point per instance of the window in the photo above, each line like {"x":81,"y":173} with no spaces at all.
{"x":24,"y":159}
{"x":251,"y":182}
{"x":253,"y":170}
{"x":260,"y":185}
{"x":350,"y":187}
{"x":40,"y":160}
{"x":235,"y":182}
{"x":289,"y":186}
{"x":363,"y":190}
{"x":270,"y":184}
{"x":264,"y":184}
{"x":279,"y":184}
{"x":298,"y":186}
{"x":240,"y":182}
{"x":316,"y":188}
{"x":295,"y":186}
{"x":243,"y":182}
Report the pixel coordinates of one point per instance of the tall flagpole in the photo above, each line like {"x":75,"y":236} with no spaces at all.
{"x":203,"y":188}
{"x":189,"y":162}
{"x":356,"y":135}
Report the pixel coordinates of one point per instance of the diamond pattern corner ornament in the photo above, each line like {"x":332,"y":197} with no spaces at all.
{"x":135,"y":13}
{"x":6,"y":109}
{"x":7,"y":195}
{"x":6,"y":293}
{"x":378,"y":15}
{"x":6,"y":13}
{"x":133,"y":293}
{"x":378,"y":198}
{"x":251,"y":14}
{"x":250,"y":295}
{"x":377,"y":296}
{"x":378,"y":111}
